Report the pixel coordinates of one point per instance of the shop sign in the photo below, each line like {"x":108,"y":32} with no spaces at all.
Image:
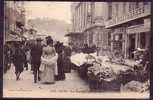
{"x":120,"y":30}
{"x":137,"y":29}
{"x":147,"y":22}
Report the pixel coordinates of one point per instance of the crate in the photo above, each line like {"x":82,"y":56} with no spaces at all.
{"x":94,"y":85}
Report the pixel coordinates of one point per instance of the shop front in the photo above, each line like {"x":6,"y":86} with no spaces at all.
{"x":118,"y":40}
{"x":138,"y":37}
{"x":76,"y":40}
{"x":97,"y":36}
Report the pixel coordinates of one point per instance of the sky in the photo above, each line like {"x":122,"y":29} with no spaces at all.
{"x":54,"y":10}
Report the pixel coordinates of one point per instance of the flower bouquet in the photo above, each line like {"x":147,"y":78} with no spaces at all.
{"x":101,"y":72}
{"x":103,"y":78}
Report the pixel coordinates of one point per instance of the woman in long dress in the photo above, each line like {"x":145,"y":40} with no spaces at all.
{"x":60,"y":62}
{"x":49,"y":62}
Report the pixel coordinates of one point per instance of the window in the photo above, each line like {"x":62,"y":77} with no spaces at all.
{"x":145,"y":3}
{"x":109,"y":10}
{"x":84,"y":7}
{"x":89,"y":8}
{"x":137,"y":5}
{"x":116,"y":9}
{"x":131,"y":6}
{"x":92,"y":10}
{"x":109,"y":38}
{"x":88,"y":12}
{"x":142,"y":40}
{"x":124,"y":7}
{"x":90,"y":38}
{"x":92,"y":6}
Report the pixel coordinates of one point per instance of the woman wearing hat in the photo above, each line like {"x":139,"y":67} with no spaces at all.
{"x":49,"y":60}
{"x":60,"y":63}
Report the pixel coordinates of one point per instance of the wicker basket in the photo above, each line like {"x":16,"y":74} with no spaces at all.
{"x":104,"y":86}
{"x":107,"y":86}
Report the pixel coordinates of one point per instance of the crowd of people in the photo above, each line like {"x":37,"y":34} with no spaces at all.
{"x":49,"y":62}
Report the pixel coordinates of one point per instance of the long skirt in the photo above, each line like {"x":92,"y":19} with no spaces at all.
{"x":60,"y":65}
{"x":47,"y":76}
{"x":67,"y":65}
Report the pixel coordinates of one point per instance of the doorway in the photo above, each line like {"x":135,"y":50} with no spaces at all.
{"x":142,"y":40}
{"x":131,"y":45}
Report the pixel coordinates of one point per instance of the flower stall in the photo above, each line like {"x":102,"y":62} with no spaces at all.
{"x":82,"y":61}
{"x":103,"y":75}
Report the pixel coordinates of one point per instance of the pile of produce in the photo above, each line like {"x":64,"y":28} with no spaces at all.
{"x":82,"y":58}
{"x":78,"y":59}
{"x":136,"y":86}
{"x":101,"y":72}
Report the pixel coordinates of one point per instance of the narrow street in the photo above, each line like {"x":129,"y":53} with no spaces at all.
{"x":73,"y":83}
{"x":73,"y":87}
{"x":107,"y":44}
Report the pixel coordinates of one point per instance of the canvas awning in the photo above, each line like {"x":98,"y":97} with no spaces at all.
{"x":10,"y":37}
{"x":137,"y":29}
{"x":14,"y":36}
{"x":73,"y":34}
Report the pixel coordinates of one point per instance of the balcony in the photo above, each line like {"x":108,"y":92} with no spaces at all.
{"x":131,"y":15}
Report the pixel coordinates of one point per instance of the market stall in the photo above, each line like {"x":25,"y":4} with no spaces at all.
{"x":81,"y":62}
{"x":103,"y":75}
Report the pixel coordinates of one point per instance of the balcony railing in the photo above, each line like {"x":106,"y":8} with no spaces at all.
{"x":131,"y":15}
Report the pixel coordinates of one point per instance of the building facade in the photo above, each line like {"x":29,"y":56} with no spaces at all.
{"x":14,"y":12}
{"x":88,"y":20}
{"x":112,"y":25}
{"x":130,"y":23}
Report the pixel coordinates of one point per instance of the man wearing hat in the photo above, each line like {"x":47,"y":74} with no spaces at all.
{"x":36,"y":52}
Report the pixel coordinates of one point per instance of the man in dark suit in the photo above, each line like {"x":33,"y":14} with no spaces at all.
{"x":36,"y":52}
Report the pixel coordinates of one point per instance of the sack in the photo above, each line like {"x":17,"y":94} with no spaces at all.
{"x":42,"y":67}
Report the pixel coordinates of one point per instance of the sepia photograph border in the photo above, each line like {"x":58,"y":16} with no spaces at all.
{"x":76,"y":96}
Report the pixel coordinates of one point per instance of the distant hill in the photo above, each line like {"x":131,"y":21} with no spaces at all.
{"x":56,"y":28}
